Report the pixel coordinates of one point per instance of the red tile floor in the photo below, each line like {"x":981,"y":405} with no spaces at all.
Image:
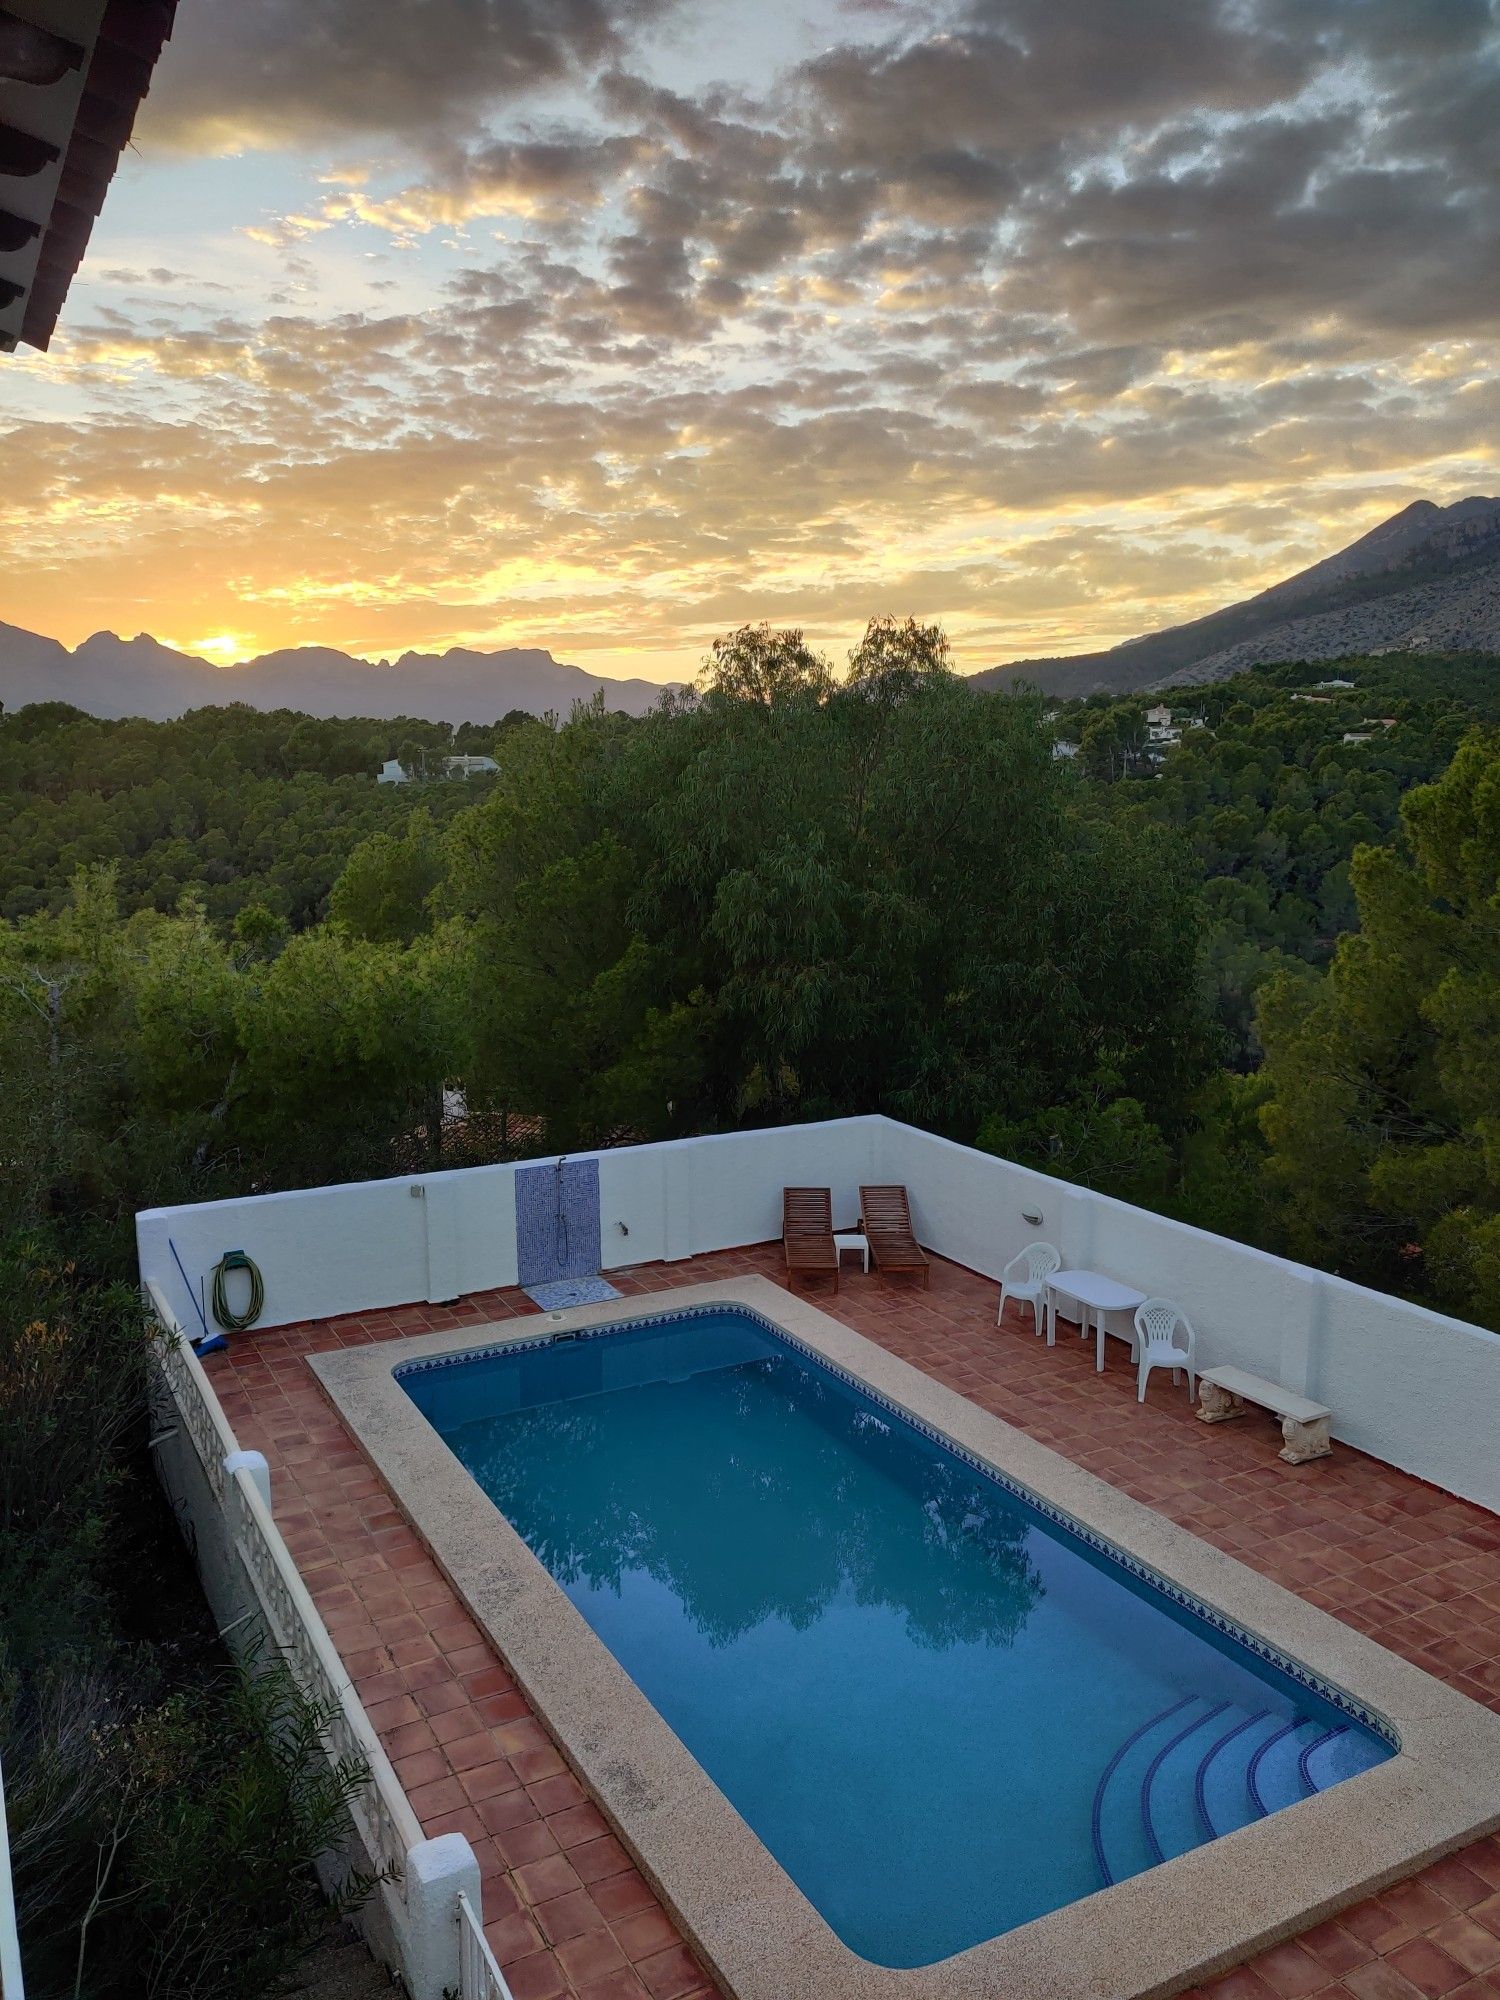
{"x":565,"y":1911}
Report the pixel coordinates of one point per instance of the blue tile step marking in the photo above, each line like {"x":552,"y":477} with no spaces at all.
{"x":1202,"y":1768}
{"x":1219,"y":1787}
{"x":1276,"y":1767}
{"x":564,"y":1292}
{"x":1342,"y":1753}
{"x":1119,"y":1847}
{"x":1161,"y":1792}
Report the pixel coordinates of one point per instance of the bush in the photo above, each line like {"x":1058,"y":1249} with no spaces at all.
{"x":165,"y":1807}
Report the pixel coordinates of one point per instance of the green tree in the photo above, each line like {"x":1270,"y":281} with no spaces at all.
{"x":1097,"y":1139}
{"x":758,"y":664}
{"x":346,"y":1045}
{"x":1112,"y":740}
{"x":1384,"y":1114}
{"x":385,"y":891}
{"x":568,"y":1009}
{"x":894,"y":898}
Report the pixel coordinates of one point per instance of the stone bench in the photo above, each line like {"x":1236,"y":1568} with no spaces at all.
{"x":1224,"y":1392}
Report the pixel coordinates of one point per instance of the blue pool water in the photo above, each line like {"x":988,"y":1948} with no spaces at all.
{"x":942,"y":1711}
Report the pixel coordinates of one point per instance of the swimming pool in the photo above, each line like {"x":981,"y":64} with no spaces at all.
{"x":942,"y":1707}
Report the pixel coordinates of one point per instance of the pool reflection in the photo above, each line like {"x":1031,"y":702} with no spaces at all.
{"x":744,"y":1493}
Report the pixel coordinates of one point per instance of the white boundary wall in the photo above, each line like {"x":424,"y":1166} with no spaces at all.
{"x":1410,"y":1386}
{"x":222,"y":1498}
{"x":349,"y":1248}
{"x":1413,"y":1387}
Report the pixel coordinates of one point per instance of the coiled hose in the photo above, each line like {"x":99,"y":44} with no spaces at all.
{"x":236,"y":1322}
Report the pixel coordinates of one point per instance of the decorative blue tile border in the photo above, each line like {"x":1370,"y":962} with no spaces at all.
{"x":1230,"y":1628}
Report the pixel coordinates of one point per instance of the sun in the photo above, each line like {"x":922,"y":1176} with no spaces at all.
{"x":224,"y":649}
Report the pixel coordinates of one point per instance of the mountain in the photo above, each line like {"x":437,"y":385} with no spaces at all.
{"x":110,"y":676}
{"x":1425,"y":581}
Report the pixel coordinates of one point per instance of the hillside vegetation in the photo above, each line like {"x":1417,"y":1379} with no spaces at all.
{"x":234,"y":961}
{"x":1275,"y":802}
{"x":240,"y":807}
{"x":1250,"y":977}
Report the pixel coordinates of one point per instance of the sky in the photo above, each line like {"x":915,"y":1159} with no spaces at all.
{"x":609,"y":325}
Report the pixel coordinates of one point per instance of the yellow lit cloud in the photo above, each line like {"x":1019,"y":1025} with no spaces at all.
{"x":817,"y":342}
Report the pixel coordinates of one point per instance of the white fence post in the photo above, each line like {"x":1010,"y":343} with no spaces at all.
{"x":253,"y":1465}
{"x":437,"y":1871}
{"x":10,"y":1943}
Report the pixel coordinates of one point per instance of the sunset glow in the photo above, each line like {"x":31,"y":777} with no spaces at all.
{"x":1055,"y":323}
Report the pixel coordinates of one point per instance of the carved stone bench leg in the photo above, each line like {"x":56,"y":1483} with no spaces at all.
{"x":1304,"y":1441}
{"x":1216,"y":1405}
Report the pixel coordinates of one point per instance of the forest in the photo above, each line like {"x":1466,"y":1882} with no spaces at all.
{"x":1249,"y":977}
{"x":240,"y":806}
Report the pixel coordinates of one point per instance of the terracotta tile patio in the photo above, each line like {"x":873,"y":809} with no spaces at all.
{"x":565,"y":1911}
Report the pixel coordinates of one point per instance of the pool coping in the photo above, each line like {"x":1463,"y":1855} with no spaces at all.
{"x":1154,"y":1934}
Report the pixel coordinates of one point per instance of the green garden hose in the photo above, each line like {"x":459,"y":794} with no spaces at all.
{"x":233,"y":1322}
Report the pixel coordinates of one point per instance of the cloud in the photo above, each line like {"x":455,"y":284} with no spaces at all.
{"x":1055,"y":318}
{"x":546,"y":180}
{"x":283,"y":72}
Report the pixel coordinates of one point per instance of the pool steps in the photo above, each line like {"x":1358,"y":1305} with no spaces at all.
{"x":1201,"y":1768}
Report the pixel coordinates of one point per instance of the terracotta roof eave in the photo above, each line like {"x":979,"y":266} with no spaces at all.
{"x":130,"y":41}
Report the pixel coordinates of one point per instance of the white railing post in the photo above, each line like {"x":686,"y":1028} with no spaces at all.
{"x":438,"y":1872}
{"x":253,"y":1465}
{"x":10,"y":1943}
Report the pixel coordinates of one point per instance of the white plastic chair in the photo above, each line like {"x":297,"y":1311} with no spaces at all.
{"x":1157,"y":1325}
{"x":1025,"y":1278}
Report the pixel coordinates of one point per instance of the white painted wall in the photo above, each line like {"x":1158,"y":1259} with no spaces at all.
{"x":717,"y":1193}
{"x":1410,"y":1386}
{"x":1413,"y":1387}
{"x":364,"y":1244}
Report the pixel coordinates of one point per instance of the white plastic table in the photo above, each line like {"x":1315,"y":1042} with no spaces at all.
{"x":1093,"y":1293}
{"x":850,"y":1239}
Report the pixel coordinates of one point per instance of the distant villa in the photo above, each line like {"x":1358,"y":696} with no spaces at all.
{"x":394,"y":772}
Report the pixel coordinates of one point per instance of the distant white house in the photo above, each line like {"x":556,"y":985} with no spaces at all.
{"x":394,"y":772}
{"x":1336,"y":684}
{"x":1160,"y":728}
{"x":1062,"y":748}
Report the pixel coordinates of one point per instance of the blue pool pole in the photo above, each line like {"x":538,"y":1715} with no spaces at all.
{"x":206,"y":1342}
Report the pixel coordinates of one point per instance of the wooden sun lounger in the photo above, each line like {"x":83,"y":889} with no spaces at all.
{"x":807,"y":1233}
{"x":887,"y":1226}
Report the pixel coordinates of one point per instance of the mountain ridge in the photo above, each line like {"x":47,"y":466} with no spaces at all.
{"x":1426,"y":580}
{"x":110,"y":676}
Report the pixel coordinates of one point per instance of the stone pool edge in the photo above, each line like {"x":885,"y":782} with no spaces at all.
{"x":1154,"y":1934}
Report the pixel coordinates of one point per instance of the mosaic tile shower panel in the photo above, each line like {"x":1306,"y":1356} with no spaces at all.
{"x":557,"y":1222}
